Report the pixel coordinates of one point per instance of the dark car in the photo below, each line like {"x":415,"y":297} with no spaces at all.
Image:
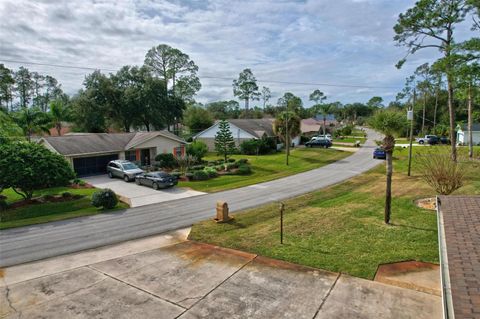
{"x":433,"y":140}
{"x":324,"y":142}
{"x":444,"y":140}
{"x":156,"y":180}
{"x":379,"y":153}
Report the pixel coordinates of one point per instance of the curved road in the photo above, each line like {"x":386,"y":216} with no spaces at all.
{"x":20,"y":245}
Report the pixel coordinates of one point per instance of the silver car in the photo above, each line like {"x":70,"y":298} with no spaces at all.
{"x":123,"y":169}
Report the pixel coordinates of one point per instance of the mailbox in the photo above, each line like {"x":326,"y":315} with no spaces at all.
{"x":222,"y":212}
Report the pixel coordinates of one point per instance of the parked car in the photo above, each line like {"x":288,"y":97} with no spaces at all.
{"x":430,"y":139}
{"x":326,"y":143}
{"x":156,"y":180}
{"x":123,"y":169}
{"x":322,"y":137}
{"x":379,"y":153}
{"x":444,"y":140}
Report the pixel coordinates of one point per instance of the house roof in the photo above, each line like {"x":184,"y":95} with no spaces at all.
{"x":90,"y":143}
{"x":475,"y":127}
{"x":255,"y":127}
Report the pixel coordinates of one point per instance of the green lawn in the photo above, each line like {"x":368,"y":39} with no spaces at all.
{"x":269,"y":167}
{"x":349,"y":139}
{"x":341,"y":228}
{"x":47,"y":212}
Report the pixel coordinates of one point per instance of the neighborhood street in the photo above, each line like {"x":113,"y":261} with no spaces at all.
{"x":20,"y":245}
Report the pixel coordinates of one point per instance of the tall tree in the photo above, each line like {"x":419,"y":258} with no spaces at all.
{"x":6,"y":87}
{"x":24,"y":86}
{"x":197,"y":119}
{"x":425,"y":86}
{"x":431,"y":24}
{"x":246,"y":88}
{"x":389,"y":123}
{"x":174,"y":67}
{"x":266,"y":95}
{"x":59,"y":113}
{"x":31,"y":121}
{"x":375,"y":102}
{"x":324,"y":109}
{"x":224,"y":142}
{"x":222,"y":110}
{"x":287,"y":126}
{"x":318,"y":97}
{"x":290,"y":102}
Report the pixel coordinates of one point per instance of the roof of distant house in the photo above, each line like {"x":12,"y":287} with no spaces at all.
{"x":255,"y":127}
{"x":475,"y":127}
{"x":90,"y":143}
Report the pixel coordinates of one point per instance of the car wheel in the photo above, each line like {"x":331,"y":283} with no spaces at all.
{"x":421,"y":142}
{"x":373,"y":156}
{"x":126,"y":178}
{"x":137,"y":181}
{"x":155,"y":186}
{"x":325,"y":146}
{"x":110,"y":174}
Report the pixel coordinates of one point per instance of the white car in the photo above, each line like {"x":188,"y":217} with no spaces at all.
{"x":321,"y":137}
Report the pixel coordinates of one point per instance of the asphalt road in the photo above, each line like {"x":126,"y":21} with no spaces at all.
{"x":20,"y":245}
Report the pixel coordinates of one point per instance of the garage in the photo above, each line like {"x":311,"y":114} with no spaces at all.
{"x":85,"y":166}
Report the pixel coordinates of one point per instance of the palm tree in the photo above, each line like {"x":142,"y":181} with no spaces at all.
{"x":59,"y":113}
{"x":325,"y":109}
{"x":287,"y":126}
{"x":32,"y":120}
{"x":389,"y":123}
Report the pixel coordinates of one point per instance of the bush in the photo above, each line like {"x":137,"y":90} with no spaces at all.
{"x":231,"y":160}
{"x":3,"y":203}
{"x":189,"y":175}
{"x":231,"y":166}
{"x":244,"y":170}
{"x":242,"y":161}
{"x":260,"y":146}
{"x":197,"y":167}
{"x":166,"y":160}
{"x":104,"y":198}
{"x":200,"y":176}
{"x":304,"y":139}
{"x":30,"y":166}
{"x":197,"y":149}
{"x":440,"y":172}
{"x":212,"y":172}
{"x":176,"y":174}
{"x":76,"y":181}
{"x":66,"y":194}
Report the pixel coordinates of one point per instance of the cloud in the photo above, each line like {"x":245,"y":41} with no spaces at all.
{"x":342,"y":41}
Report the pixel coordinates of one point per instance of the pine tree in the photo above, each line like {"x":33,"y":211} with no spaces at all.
{"x":224,"y":143}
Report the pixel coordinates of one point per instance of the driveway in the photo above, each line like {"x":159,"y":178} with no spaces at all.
{"x":137,"y":195}
{"x":183,"y":279}
{"x":19,"y":245}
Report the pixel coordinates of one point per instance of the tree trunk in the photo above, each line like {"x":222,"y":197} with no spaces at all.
{"x":388,"y":192}
{"x":435,"y":111}
{"x":451,"y":111}
{"x":246,"y":108}
{"x":470,"y":133}
{"x":424,"y":109}
{"x":58,"y":126}
{"x":324,"y":121}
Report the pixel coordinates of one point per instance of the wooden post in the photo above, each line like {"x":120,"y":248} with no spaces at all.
{"x":282,"y":209}
{"x":411,"y":133}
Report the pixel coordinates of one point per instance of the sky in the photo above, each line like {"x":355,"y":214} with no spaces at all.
{"x":318,"y":42}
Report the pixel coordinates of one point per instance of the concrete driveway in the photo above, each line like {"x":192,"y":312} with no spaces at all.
{"x":137,"y":195}
{"x":183,"y":279}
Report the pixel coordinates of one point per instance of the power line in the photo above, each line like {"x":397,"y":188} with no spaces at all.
{"x":210,"y":76}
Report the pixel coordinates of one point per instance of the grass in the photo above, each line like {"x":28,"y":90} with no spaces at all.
{"x":349,"y":139}
{"x":48,"y":212}
{"x":341,"y":228}
{"x":269,"y":167}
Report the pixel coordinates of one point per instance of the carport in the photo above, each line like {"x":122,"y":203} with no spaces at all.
{"x":92,"y":165}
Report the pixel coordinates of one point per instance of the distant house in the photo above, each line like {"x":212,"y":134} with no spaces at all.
{"x":89,"y":153}
{"x":314,"y":125}
{"x":242,"y":130}
{"x":462,"y":134}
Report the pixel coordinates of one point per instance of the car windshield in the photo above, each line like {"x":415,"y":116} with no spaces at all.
{"x":129,"y":166}
{"x":379,"y":149}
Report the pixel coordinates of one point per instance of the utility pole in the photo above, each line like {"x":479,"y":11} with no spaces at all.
{"x":411,"y":132}
{"x":287,"y":142}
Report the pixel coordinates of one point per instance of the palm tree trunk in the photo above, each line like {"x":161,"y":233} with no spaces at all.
{"x":424,"y":108}
{"x":388,"y":192}
{"x":324,"y":121}
{"x":435,"y":111}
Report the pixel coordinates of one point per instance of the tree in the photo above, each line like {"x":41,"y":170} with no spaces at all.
{"x":31,"y":121}
{"x":290,"y":102}
{"x":224,"y":109}
{"x":246,"y":88}
{"x":24,"y":86}
{"x":9,"y":130}
{"x":197,"y":119}
{"x":431,"y":24}
{"x":287,"y":126}
{"x":59,"y":113}
{"x":389,"y":123}
{"x":6,"y":87}
{"x":266,"y":95}
{"x":224,"y":142}
{"x":375,"y":102}
{"x":27,"y":167}
{"x":324,"y":109}
{"x":317,"y":96}
{"x":197,"y":149}
{"x":174,"y":66}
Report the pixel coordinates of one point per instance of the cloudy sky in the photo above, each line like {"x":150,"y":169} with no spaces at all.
{"x":345,"y":42}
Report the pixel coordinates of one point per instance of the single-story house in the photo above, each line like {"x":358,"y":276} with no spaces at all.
{"x":242,"y":130}
{"x":462,"y":134}
{"x":313,"y":125}
{"x":89,"y":153}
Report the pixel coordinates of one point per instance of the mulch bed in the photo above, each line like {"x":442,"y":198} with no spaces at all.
{"x":427,"y":203}
{"x":44,"y":199}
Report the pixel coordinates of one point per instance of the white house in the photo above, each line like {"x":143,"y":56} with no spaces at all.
{"x":462,"y":134}
{"x":242,"y":130}
{"x":89,"y":153}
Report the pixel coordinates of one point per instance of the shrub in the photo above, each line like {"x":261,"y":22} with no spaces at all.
{"x":440,"y":172}
{"x":212,"y":172}
{"x":197,"y":149}
{"x":3,"y":203}
{"x":76,"y":181}
{"x":200,"y":175}
{"x":166,"y":160}
{"x":66,"y":194}
{"x":104,"y":198}
{"x":197,"y":167}
{"x":244,"y":170}
{"x":231,"y":166}
{"x":82,"y":183}
{"x":30,"y":166}
{"x":242,"y":161}
{"x":231,"y":160}
{"x":304,"y":139}
{"x":176,"y":174}
{"x":260,"y":146}
{"x":189,"y":175}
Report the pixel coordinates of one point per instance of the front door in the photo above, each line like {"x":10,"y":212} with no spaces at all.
{"x":145,"y":157}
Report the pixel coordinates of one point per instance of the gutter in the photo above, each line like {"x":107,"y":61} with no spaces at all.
{"x":444,"y":271}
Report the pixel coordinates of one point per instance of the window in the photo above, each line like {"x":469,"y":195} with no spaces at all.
{"x":130,"y":156}
{"x":113,"y":165}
